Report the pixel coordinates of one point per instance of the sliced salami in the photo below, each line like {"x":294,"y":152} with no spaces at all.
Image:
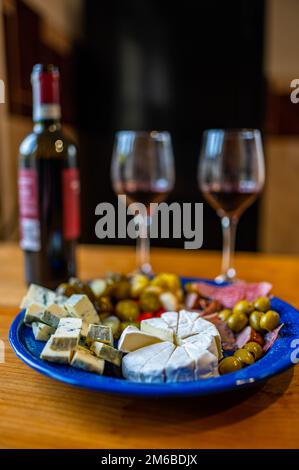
{"x":231,"y":294}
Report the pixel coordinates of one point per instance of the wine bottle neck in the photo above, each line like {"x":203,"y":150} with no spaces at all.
{"x":49,"y":125}
{"x":45,"y":88}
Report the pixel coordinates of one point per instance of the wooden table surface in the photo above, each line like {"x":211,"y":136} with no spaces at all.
{"x":37,"y":412}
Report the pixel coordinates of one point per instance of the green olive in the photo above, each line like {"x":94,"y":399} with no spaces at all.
{"x":167,"y":281}
{"x":255,"y":349}
{"x":244,"y":356}
{"x":127,"y":310}
{"x":66,"y":289}
{"x":104,"y":304}
{"x":229,"y":364}
{"x":269,"y":320}
{"x":255,"y":320}
{"x":138,"y":283}
{"x":225,"y":314}
{"x":114,"y":324}
{"x":124,"y":325}
{"x":243,"y":306}
{"x":122,"y":290}
{"x":237,"y":321}
{"x":150,"y":301}
{"x":262,"y":304}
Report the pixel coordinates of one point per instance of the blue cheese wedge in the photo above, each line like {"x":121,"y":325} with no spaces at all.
{"x":157,"y":327}
{"x":80,"y":306}
{"x":41,"y":331}
{"x":85,"y":360}
{"x":100,"y":333}
{"x":33,"y":313}
{"x":132,"y":339}
{"x":50,"y":355}
{"x":38,"y":294}
{"x":52,"y":315}
{"x":67,"y":335}
{"x":103,"y":351}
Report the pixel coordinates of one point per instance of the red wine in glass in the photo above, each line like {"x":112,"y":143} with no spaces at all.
{"x":232,"y":202}
{"x":143,"y":194}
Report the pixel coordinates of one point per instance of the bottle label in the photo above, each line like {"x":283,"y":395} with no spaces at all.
{"x":71,"y":203}
{"x":42,"y":111}
{"x":29,"y":210}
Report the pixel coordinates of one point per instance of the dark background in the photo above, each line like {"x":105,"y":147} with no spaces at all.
{"x":148,"y":64}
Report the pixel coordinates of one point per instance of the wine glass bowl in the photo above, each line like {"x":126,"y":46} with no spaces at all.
{"x":231,"y":174}
{"x":142,"y":169}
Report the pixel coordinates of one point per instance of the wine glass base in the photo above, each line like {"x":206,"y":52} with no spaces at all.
{"x":230,"y":276}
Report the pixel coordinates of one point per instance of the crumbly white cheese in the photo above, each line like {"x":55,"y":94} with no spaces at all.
{"x":41,"y":331}
{"x":106,"y":352}
{"x":67,"y":335}
{"x":52,"y":315}
{"x":33,"y":313}
{"x":85,"y":360}
{"x":157,"y":327}
{"x":80,"y":306}
{"x":132,"y":338}
{"x":169,"y":301}
{"x":38,"y":294}
{"x":49,"y":354}
{"x":101,"y":333}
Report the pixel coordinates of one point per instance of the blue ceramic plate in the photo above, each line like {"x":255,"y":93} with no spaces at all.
{"x":277,"y":359}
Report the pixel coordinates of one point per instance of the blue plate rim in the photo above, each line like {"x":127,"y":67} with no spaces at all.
{"x":236,"y":380}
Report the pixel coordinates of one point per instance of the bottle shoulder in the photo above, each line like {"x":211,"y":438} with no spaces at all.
{"x":47,"y":144}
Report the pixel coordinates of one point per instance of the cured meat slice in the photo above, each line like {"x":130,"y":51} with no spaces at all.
{"x":246,"y":335}
{"x":271,"y":337}
{"x":231,"y":294}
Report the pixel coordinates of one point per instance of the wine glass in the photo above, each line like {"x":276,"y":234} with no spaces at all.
{"x":231,"y":174}
{"x":143,"y":170}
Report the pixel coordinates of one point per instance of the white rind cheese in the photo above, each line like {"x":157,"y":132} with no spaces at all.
{"x":50,"y":355}
{"x":67,"y":335}
{"x":192,"y":353}
{"x":153,"y":371}
{"x":132,"y":338}
{"x":41,"y":331}
{"x":157,"y":327}
{"x":133,"y":362}
{"x":103,"y":351}
{"x":85,"y":360}
{"x":180,"y":367}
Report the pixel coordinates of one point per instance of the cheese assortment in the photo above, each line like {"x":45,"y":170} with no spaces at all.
{"x":150,"y":329}
{"x":173,"y":358}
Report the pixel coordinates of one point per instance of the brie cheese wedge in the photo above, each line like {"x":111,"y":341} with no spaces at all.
{"x":157,"y":327}
{"x":132,"y":338}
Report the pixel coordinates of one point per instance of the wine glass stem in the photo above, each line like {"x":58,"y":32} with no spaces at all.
{"x":229,"y":226}
{"x":143,"y":247}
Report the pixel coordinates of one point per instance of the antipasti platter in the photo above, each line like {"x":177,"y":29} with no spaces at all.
{"x":156,"y":336}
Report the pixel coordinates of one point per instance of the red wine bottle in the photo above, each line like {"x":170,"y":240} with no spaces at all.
{"x":49,"y":188}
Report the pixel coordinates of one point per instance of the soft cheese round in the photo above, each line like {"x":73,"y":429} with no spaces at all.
{"x":189,"y":348}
